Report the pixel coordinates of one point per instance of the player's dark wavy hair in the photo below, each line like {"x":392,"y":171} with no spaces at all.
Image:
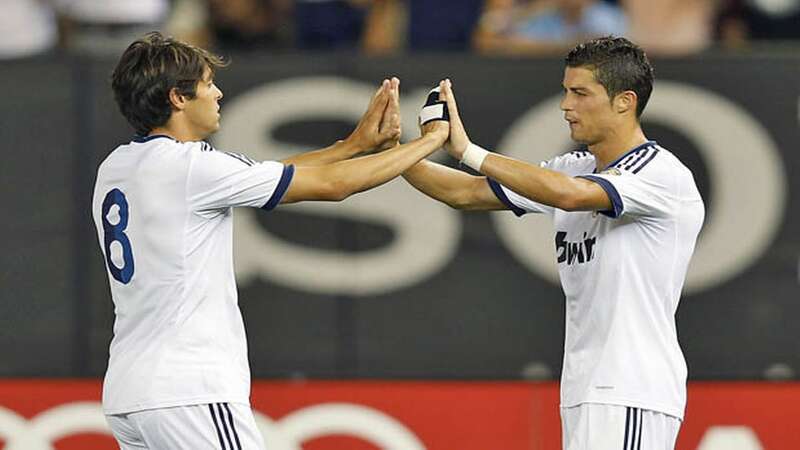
{"x":618,"y":64}
{"x":148,"y":69}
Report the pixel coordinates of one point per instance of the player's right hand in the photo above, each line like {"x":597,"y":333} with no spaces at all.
{"x":458,"y":141}
{"x":367,"y":134}
{"x":437,"y":129}
{"x":390,"y":126}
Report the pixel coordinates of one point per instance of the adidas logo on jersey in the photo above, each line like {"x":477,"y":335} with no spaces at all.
{"x":574,"y":252}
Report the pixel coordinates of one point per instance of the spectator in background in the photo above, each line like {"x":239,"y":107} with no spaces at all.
{"x":743,"y":20}
{"x":442,"y":24}
{"x":545,"y":26}
{"x":250,"y":24}
{"x":374,"y":26}
{"x":329,"y":24}
{"x":236,"y":25}
{"x":28,"y":28}
{"x":672,"y":27}
{"x":188,"y":22}
{"x":106,"y":27}
{"x":420,"y":25}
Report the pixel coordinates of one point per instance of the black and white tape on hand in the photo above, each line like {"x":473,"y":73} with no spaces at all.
{"x":434,"y":109}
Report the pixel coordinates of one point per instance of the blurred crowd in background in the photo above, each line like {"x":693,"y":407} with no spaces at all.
{"x":378,"y":27}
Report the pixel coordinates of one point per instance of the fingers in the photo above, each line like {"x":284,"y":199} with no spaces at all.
{"x":366,"y":132}
{"x":394,"y":108}
{"x":377,"y":107}
{"x":384,"y":94}
{"x":393,"y":103}
{"x":446,"y":95}
{"x":382,"y":90}
{"x":377,"y":98}
{"x":392,"y":113}
{"x":380,"y":98}
{"x":389,"y":129}
{"x":458,"y":139}
{"x":394,"y":93}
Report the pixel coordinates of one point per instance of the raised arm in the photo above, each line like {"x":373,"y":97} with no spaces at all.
{"x":339,"y":151}
{"x":546,"y":186}
{"x":453,"y":187}
{"x":370,"y":133}
{"x":337,"y":181}
{"x":541,"y":185}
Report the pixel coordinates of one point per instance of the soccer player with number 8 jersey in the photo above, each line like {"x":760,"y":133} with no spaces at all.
{"x":178,"y":377}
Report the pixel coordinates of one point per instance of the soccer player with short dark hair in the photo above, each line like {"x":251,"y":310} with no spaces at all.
{"x":627,"y":214}
{"x":178,"y":375}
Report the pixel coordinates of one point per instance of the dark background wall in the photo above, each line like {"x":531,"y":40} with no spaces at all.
{"x":390,"y":284}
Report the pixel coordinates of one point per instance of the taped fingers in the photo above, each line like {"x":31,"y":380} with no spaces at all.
{"x":434,"y":108}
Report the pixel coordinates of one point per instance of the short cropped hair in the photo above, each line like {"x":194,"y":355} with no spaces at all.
{"x":149,"y":69}
{"x":618,"y":64}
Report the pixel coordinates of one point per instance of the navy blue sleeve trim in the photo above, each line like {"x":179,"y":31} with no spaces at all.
{"x":280,"y":190}
{"x":613,"y":195}
{"x":498,"y":191}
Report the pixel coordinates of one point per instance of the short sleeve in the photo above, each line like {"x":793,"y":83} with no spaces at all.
{"x":518,"y":204}
{"x":219,"y":180}
{"x":568,"y":163}
{"x":634,"y":194}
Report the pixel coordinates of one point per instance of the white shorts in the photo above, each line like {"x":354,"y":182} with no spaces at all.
{"x":595,"y":426}
{"x":218,"y":426}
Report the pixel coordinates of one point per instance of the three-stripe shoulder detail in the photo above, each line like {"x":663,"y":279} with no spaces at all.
{"x":206,"y":147}
{"x":637,"y":160}
{"x":243,"y":158}
{"x":580,"y":153}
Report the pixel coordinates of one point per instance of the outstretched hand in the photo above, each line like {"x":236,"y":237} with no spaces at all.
{"x":458,"y":140}
{"x":370,"y":132}
{"x":390,"y":122}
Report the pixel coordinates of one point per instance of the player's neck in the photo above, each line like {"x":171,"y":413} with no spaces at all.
{"x":611,"y":148}
{"x":178,"y":130}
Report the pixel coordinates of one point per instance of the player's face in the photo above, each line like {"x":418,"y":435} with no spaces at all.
{"x":586,"y":105}
{"x":203,"y":110}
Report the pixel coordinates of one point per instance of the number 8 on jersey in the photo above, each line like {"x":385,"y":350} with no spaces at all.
{"x":116,"y":233}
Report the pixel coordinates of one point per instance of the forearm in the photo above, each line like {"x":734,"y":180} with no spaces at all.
{"x":363,"y":173}
{"x":339,"y":151}
{"x":450,"y":186}
{"x":541,"y":185}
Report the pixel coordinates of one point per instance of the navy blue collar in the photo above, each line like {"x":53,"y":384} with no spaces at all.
{"x":626,"y":154}
{"x":142,"y":139}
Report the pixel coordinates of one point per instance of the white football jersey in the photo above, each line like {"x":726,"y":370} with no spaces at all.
{"x":164,"y":218}
{"x":622,"y":272}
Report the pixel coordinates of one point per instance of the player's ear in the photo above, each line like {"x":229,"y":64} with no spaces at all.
{"x":625,"y":102}
{"x":177,"y":100}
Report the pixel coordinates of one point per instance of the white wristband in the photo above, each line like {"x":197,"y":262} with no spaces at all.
{"x":473,"y":156}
